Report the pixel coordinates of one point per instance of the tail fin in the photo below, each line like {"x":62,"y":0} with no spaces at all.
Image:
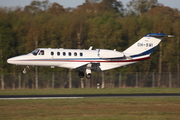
{"x":145,"y":45}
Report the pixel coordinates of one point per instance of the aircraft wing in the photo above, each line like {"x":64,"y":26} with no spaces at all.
{"x":81,"y":65}
{"x":92,"y":66}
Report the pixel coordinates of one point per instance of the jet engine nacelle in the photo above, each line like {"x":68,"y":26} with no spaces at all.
{"x":109,"y":54}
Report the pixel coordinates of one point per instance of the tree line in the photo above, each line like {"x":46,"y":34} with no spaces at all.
{"x":103,"y":24}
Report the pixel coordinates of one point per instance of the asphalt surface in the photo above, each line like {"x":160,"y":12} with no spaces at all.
{"x":71,"y":96}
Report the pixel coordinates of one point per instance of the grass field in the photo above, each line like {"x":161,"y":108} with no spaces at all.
{"x":88,"y":91}
{"x":92,"y":109}
{"x":132,"y":108}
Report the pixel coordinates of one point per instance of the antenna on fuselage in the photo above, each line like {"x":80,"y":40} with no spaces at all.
{"x":90,"y":47}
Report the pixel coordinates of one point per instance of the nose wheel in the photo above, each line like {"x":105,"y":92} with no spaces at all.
{"x":25,"y":69}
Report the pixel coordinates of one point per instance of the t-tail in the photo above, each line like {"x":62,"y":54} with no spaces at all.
{"x":144,"y":47}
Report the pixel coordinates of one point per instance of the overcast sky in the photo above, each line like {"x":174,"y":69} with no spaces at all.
{"x":75,"y":3}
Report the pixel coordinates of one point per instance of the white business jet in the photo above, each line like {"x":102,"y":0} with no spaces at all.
{"x":88,"y":60}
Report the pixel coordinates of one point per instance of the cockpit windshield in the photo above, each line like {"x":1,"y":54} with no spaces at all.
{"x":35,"y":52}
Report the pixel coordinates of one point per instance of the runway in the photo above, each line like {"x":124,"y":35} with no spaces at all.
{"x":75,"y":96}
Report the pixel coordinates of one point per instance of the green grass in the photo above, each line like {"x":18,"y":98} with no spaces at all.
{"x":133,"y":108}
{"x":92,"y":108}
{"x":88,"y":91}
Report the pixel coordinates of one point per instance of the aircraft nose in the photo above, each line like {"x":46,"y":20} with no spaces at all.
{"x":10,"y":60}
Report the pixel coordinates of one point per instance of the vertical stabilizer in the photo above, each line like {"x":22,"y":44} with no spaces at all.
{"x":145,"y":45}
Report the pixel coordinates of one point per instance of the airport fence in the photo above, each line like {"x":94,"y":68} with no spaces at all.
{"x":98,"y":80}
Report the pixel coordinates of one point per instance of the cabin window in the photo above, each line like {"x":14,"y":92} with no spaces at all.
{"x":75,"y":54}
{"x":69,"y":53}
{"x":35,"y":52}
{"x":58,"y":53}
{"x":41,"y":52}
{"x":64,"y":54}
{"x":81,"y":54}
{"x":52,"y":53}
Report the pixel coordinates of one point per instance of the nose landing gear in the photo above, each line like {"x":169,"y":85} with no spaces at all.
{"x":25,"y":69}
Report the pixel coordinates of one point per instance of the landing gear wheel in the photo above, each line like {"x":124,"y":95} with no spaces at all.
{"x":88,"y":76}
{"x":81,"y":74}
{"x":24,"y":71}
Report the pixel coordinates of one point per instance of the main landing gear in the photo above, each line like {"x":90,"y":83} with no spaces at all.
{"x":25,"y":69}
{"x":81,"y":75}
{"x":88,"y":76}
{"x":88,"y":71}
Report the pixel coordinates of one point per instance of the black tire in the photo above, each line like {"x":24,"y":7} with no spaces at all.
{"x":81,"y":74}
{"x":88,"y":76}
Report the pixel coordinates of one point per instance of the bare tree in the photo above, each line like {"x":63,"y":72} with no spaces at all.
{"x":138,"y":7}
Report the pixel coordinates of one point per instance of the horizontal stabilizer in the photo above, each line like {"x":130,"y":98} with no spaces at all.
{"x":156,"y":35}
